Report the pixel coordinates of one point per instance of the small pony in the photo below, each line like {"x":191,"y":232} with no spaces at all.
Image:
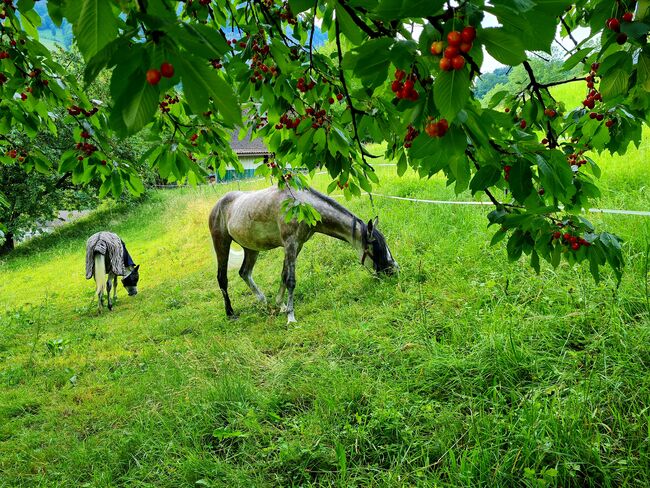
{"x":106,"y":259}
{"x":255,"y":221}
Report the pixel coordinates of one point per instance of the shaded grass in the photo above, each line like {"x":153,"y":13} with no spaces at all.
{"x":464,"y":370}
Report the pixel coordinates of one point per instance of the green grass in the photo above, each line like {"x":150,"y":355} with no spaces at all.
{"x":463,"y":371}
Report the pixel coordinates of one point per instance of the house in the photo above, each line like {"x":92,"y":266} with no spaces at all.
{"x":249,"y":152}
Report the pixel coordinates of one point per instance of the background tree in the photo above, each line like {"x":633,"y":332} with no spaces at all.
{"x":400,"y":76}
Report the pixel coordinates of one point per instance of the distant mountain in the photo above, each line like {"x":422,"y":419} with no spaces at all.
{"x":63,"y":35}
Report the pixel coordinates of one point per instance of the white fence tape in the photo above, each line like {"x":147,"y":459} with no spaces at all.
{"x":452,"y":202}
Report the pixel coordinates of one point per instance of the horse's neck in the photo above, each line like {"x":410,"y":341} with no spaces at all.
{"x":340,"y":225}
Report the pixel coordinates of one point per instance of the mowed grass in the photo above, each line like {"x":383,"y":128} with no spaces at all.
{"x":464,"y":370}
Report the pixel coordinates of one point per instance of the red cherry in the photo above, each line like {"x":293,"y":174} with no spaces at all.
{"x":339,"y":96}
{"x":567,"y":236}
{"x":610,"y":122}
{"x":443,"y":126}
{"x":595,"y":66}
{"x":465,"y":47}
{"x":396,"y":86}
{"x":408,"y":85}
{"x":445,"y":64}
{"x":153,"y":76}
{"x":507,"y":109}
{"x":454,"y":38}
{"x":593,"y":115}
{"x":432,"y":130}
{"x":458,"y":62}
{"x":628,"y":16}
{"x":556,"y":235}
{"x":451,"y":52}
{"x":399,"y":74}
{"x":614,"y":24}
{"x":167,"y":69}
{"x":330,"y":100}
{"x":575,"y":246}
{"x":600,"y":117}
{"x":549,"y":112}
{"x":621,"y":38}
{"x":468,"y":34}
{"x":522,"y":124}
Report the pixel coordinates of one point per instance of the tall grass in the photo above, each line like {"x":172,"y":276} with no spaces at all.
{"x":462,"y":371}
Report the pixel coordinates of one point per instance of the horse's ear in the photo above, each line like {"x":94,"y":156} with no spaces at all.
{"x":137,"y":267}
{"x":375,"y":224}
{"x":369,"y":229}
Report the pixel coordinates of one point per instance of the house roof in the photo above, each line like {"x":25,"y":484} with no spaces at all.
{"x":246,"y":146}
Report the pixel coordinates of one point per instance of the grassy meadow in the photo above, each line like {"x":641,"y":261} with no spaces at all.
{"x":464,"y":370}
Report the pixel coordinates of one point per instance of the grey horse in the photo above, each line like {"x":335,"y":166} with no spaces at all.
{"x":255,"y":220}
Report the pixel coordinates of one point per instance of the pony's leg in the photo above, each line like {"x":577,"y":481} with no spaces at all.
{"x":222,"y":250}
{"x":114,"y":287}
{"x":108,"y":292}
{"x":291,"y":250}
{"x":246,"y":272}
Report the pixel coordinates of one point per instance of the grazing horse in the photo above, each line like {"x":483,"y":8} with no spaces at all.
{"x":106,"y":259}
{"x":256,"y":221}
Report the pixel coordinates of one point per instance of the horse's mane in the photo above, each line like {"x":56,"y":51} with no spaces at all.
{"x":333,"y":203}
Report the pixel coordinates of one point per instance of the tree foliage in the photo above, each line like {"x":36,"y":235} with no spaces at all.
{"x":179,"y":76}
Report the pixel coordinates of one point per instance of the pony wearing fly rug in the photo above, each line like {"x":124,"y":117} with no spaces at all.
{"x":106,"y":259}
{"x":255,"y":221}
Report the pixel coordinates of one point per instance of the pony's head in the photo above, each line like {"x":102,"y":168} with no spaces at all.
{"x":130,"y":281}
{"x":375,"y":248}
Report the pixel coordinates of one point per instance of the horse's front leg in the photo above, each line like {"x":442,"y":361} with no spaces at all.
{"x":291,"y":250}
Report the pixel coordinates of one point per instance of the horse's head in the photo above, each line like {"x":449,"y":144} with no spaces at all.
{"x":130,"y":281}
{"x":375,"y":248}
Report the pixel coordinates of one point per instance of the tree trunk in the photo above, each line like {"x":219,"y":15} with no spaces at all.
{"x":8,"y":245}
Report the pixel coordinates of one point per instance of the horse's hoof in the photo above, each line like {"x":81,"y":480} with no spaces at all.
{"x":233,"y":317}
{"x":283,"y":308}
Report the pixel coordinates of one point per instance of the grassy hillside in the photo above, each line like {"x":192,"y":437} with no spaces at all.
{"x":463,"y":370}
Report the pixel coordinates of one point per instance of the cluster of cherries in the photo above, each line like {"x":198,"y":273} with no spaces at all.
{"x":342,"y":185}
{"x":169,"y":100}
{"x":339,"y":97}
{"x":437,"y":129}
{"x":154,"y":75}
{"x":216,"y":62}
{"x":457,"y":43}
{"x":570,"y":240}
{"x":5,"y":55}
{"x":86,"y":148}
{"x":288,"y":122}
{"x":614,"y":25}
{"x":594,"y":95}
{"x":411,"y":133}
{"x":303,"y":86}
{"x":576,"y":159}
{"x":260,"y":69}
{"x":13,"y":154}
{"x":404,"y":89}
{"x":318,"y":117}
{"x":76,"y":110}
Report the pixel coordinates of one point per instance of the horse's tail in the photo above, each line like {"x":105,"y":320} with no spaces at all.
{"x":100,"y":278}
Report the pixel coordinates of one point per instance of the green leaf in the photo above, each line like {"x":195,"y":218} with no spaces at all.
{"x":451,"y":92}
{"x":484,"y":178}
{"x":136,"y":106}
{"x":576,"y":57}
{"x":201,"y":82}
{"x":614,"y":84}
{"x":503,"y":46}
{"x":399,"y":9}
{"x":298,"y":6}
{"x":96,"y":26}
{"x":521,"y":180}
{"x":643,"y":71}
{"x":116,"y":184}
{"x":348,"y":27}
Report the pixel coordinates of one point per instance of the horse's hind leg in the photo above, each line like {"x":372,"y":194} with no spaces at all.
{"x":222,"y":250}
{"x":246,"y":272}
{"x":291,"y":250}
{"x":114,"y":287}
